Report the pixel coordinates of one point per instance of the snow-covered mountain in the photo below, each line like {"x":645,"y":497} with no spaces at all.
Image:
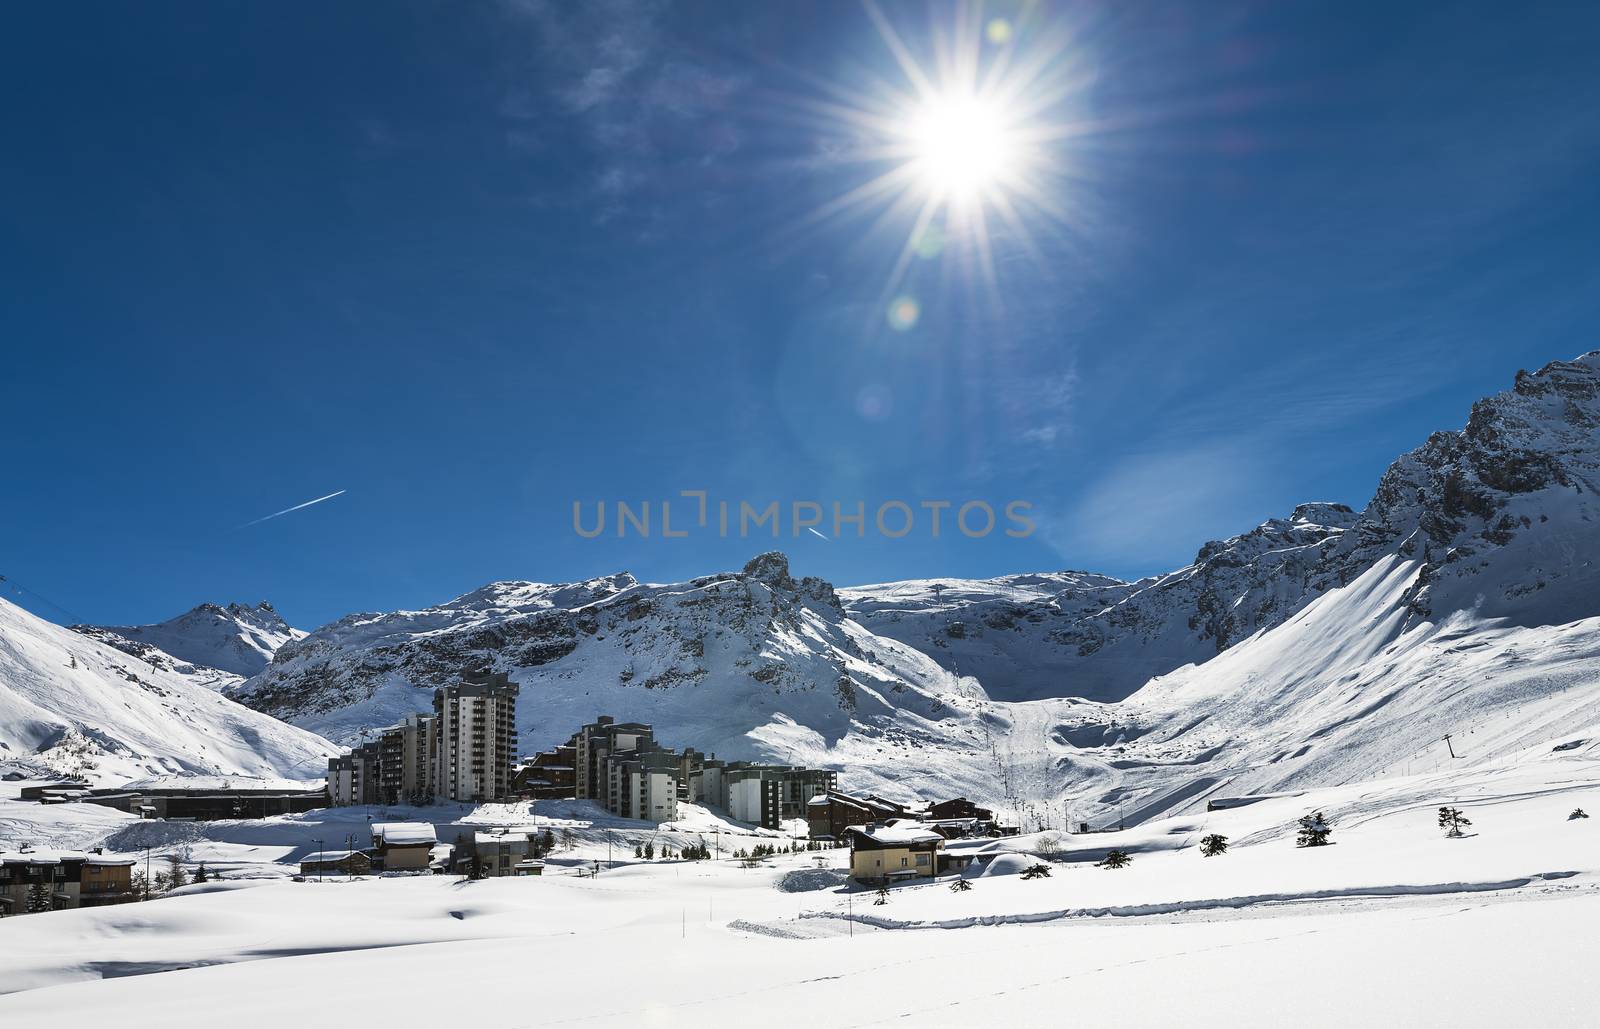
{"x":717,"y":662}
{"x":1076,"y":634}
{"x":80,"y":707}
{"x":1313,"y":649}
{"x":237,"y":639}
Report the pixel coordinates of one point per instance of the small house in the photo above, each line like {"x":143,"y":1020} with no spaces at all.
{"x":336,"y":862}
{"x":893,"y":851}
{"x":403,"y":846}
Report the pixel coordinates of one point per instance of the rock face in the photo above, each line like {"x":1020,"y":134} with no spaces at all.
{"x":238,"y":639}
{"x":1503,"y":513}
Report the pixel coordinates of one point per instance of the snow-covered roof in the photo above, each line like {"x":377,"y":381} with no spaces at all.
{"x":821,"y":800}
{"x":404,"y":833}
{"x":55,"y":857}
{"x":328,"y":855}
{"x":903,"y":831}
{"x":502,"y":835}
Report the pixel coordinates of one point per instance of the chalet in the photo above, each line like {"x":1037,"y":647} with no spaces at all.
{"x":548,"y":775}
{"x":53,"y":880}
{"x":402,"y":846}
{"x":959,"y":807}
{"x":893,"y":851}
{"x":336,"y":862}
{"x":503,"y":851}
{"x":829,"y":814}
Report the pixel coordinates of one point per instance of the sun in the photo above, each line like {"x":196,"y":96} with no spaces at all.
{"x":961,"y":147}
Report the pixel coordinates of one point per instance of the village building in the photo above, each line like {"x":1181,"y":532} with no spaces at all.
{"x":402,"y":846}
{"x":502,"y":850}
{"x":55,"y":880}
{"x":829,"y":814}
{"x":893,"y":852}
{"x":336,"y":862}
{"x":548,"y":775}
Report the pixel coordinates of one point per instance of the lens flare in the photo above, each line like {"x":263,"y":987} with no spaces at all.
{"x":903,"y":313}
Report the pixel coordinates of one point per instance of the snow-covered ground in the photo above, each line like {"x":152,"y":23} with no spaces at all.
{"x":1394,"y":924}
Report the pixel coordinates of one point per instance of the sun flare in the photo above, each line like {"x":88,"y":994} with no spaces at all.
{"x":961,"y":147}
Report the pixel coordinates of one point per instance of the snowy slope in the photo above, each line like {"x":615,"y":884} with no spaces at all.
{"x":1393,"y":924}
{"x":81,"y":707}
{"x":237,"y":639}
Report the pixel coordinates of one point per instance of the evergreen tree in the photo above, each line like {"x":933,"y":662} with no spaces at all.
{"x":1212,"y":845}
{"x":1577,"y":812}
{"x":176,"y":876}
{"x":638,"y":850}
{"x":140,"y":886}
{"x":882,"y":896}
{"x":1115,"y":859}
{"x":200,"y":873}
{"x":650,"y":851}
{"x":547,"y":842}
{"x":1036,"y":871}
{"x":1452,"y":821}
{"x":1314,"y":831}
{"x":39,"y":898}
{"x":960,"y":886}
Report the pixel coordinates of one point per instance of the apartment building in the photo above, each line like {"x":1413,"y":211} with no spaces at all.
{"x":355,"y":778}
{"x":407,"y":757}
{"x":596,"y":742}
{"x":643,"y":784}
{"x":768,"y":795}
{"x":476,"y":725}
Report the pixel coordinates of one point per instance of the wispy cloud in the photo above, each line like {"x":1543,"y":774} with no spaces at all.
{"x":644,"y":110}
{"x":287,"y":510}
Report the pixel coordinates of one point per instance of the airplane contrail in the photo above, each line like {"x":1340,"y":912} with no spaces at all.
{"x":286,"y":510}
{"x":815,"y":533}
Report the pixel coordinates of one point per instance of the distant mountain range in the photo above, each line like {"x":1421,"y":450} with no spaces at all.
{"x":1323,"y":646}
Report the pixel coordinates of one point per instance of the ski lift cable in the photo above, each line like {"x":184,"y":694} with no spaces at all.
{"x":20,"y":588}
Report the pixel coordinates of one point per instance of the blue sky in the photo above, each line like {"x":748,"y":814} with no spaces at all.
{"x":470,"y":263}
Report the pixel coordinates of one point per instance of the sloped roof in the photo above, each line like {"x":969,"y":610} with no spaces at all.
{"x":404,"y":833}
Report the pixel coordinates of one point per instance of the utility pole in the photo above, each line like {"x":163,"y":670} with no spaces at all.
{"x":1448,"y":745}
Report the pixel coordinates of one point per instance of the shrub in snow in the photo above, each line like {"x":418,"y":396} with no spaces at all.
{"x":1314,"y":831}
{"x":1115,"y":859}
{"x":1577,"y":812}
{"x":883,"y":895}
{"x":1212,"y":845}
{"x":200,"y":873}
{"x":1452,"y":821}
{"x":960,"y":886}
{"x":1038,"y":871}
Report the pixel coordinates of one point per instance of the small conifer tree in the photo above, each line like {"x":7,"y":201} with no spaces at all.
{"x":1115,"y":859}
{"x":1314,"y":831}
{"x":882,"y":896}
{"x":1452,"y":821}
{"x":1036,"y":871}
{"x":960,"y":886}
{"x":1577,"y":812}
{"x":1211,"y":846}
